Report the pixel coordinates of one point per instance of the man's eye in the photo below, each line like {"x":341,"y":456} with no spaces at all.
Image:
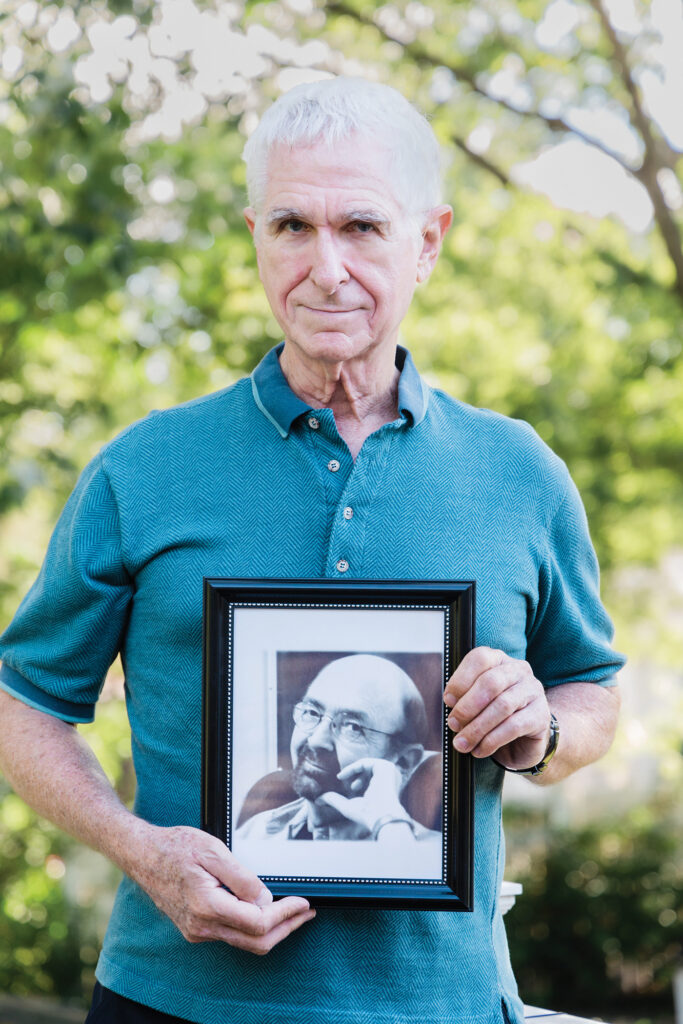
{"x":352,"y":731}
{"x":310,"y":716}
{"x":294,"y":226}
{"x":364,"y":227}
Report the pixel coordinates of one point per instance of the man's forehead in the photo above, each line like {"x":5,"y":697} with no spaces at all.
{"x":328,"y":690}
{"x":339,"y":176}
{"x":363,"y":695}
{"x":332,"y":705}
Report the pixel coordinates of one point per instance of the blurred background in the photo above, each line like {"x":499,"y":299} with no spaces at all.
{"x":127,"y":282}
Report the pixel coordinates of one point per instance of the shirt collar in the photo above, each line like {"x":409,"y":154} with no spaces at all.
{"x":281,"y":406}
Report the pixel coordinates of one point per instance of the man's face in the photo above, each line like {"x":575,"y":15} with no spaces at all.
{"x":338,"y":256}
{"x":318,"y":756}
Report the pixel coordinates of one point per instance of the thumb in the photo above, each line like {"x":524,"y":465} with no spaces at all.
{"x":337,"y":801}
{"x":241,"y":882}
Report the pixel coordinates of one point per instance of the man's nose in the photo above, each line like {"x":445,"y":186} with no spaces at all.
{"x":322,"y":734}
{"x":328,"y":269}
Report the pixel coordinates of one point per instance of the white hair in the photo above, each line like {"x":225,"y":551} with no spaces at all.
{"x":335,"y":109}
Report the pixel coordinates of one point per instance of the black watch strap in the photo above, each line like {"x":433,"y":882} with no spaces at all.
{"x":539,"y":768}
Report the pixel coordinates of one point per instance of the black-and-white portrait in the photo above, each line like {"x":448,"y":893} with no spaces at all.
{"x":338,"y":745}
{"x":358,"y":740}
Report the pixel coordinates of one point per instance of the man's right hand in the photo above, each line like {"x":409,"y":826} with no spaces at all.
{"x":195,"y":880}
{"x":377,"y":782}
{"x":191,"y":876}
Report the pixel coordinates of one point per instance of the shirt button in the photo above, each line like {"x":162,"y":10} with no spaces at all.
{"x":333,"y":465}
{"x":342,"y":565}
{"x":313,"y":422}
{"x":348,"y":512}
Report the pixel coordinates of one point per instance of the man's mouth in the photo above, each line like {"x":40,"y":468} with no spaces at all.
{"x":315,"y":763}
{"x":330,"y":312}
{"x":314,"y":767}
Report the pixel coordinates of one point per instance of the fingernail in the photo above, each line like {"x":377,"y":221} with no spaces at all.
{"x":453,"y":724}
{"x":449,"y":700}
{"x":461,"y":744}
{"x":265,"y":898}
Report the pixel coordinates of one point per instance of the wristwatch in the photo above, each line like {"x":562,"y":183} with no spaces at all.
{"x":391,"y":819}
{"x":539,"y":768}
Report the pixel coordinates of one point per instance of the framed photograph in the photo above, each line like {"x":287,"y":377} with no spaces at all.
{"x":327,"y":765}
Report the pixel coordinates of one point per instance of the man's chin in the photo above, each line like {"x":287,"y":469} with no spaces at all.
{"x":333,"y":342}
{"x":311,"y":787}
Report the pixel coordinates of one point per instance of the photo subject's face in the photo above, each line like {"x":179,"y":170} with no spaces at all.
{"x":337,"y":253}
{"x":318,"y":756}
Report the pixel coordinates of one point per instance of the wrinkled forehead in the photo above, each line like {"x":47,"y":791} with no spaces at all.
{"x":354,"y":170}
{"x":376,"y":703}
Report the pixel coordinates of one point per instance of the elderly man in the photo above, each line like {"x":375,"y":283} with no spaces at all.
{"x":358,"y":736}
{"x":334,"y":460}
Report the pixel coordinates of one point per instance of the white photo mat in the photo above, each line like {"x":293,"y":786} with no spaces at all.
{"x":258,"y":635}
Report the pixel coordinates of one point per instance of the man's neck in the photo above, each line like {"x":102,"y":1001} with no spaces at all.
{"x":320,"y":814}
{"x":362,"y":394}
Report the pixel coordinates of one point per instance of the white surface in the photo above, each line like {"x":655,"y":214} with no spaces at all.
{"x":509,"y":891}
{"x":347,"y":860}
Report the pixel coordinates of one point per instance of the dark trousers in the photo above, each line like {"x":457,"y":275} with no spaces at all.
{"x":109,"y":1008}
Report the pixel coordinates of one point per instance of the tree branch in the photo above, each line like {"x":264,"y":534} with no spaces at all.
{"x":667,"y":157}
{"x":423,"y":58}
{"x":652,"y":163}
{"x":658,"y":154}
{"x":481,"y":160}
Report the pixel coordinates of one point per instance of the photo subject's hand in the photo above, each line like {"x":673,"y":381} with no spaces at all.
{"x":498,"y":708}
{"x":195,"y":880}
{"x":377,"y":783}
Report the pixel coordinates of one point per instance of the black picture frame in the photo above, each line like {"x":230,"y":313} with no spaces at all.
{"x":272,"y":644}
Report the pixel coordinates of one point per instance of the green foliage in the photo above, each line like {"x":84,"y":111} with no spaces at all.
{"x":54,"y":896}
{"x":573,"y":345}
{"x":599,"y":927}
{"x":44,"y":937}
{"x":116,"y":298}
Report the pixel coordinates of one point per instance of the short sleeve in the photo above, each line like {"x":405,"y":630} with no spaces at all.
{"x":569,"y":637}
{"x":69,"y":627}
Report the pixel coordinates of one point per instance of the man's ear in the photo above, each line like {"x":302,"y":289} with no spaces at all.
{"x":433,"y":233}
{"x":409,"y":759}
{"x":250,"y":218}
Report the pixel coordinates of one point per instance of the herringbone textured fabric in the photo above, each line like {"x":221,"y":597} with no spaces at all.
{"x":238,"y":484}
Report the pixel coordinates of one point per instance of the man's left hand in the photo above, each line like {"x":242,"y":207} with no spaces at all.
{"x":499,"y":708}
{"x":377,"y":783}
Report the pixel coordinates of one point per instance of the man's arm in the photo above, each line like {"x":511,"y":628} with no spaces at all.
{"x":191,"y":876}
{"x":500,"y":709}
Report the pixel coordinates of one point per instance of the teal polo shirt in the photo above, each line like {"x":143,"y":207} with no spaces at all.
{"x":253,"y":482}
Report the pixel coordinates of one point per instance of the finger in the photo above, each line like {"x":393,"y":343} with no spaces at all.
{"x":363,"y":764}
{"x":336,"y":801}
{"x":243,"y":924}
{"x":245,"y":885}
{"x":503,"y":721}
{"x":227,"y":911}
{"x":470,"y":668}
{"x":359,"y":784}
{"x":472,"y":730}
{"x":357,"y":776}
{"x":260,"y":945}
{"x":493,"y":686}
{"x":525,"y":724}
